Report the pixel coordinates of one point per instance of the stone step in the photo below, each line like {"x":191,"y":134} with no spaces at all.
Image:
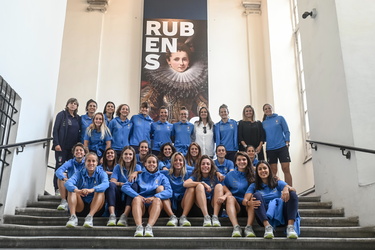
{"x":56,"y":213}
{"x":178,"y":232}
{"x":52,"y":204}
{"x":195,"y":221}
{"x":184,"y":243}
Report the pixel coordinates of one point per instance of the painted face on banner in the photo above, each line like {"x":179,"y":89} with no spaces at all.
{"x":179,"y":61}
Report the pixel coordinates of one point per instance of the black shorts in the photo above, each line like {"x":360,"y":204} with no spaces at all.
{"x":86,"y":210}
{"x":281,"y":154}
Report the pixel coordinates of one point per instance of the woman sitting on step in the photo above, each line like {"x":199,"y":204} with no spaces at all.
{"x":126,"y":170}
{"x":153,"y":188}
{"x":274,"y":201}
{"x":207,"y":190}
{"x":67,"y":170}
{"x":86,"y":192}
{"x":177,"y":175}
{"x":236,"y":183}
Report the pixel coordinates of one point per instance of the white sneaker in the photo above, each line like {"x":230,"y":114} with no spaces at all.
{"x":72,"y":222}
{"x":207,"y":221}
{"x":138,"y":231}
{"x":57,"y":192}
{"x":291,"y":233}
{"x":268,"y":232}
{"x":111,"y":220}
{"x":88,"y":222}
{"x":123,"y":221}
{"x":184,"y":222}
{"x":172,"y":221}
{"x":148,"y":231}
{"x":215,"y":221}
{"x":249,"y":232}
{"x":236,"y":231}
{"x":63,"y":205}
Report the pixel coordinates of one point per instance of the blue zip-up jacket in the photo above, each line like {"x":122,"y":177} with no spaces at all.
{"x":148,"y":183}
{"x":71,"y":166}
{"x":227,"y":134}
{"x":123,"y":177}
{"x":141,"y":129}
{"x":120,"y":131}
{"x":81,"y":180}
{"x":85,"y":122}
{"x":97,"y":144}
{"x":224,"y":168}
{"x":183,"y":134}
{"x":166,"y":163}
{"x":64,"y":122}
{"x":237,"y":184}
{"x":277,"y":132}
{"x":161,"y":133}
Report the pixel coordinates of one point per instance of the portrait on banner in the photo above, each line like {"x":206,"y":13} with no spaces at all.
{"x":174,"y":66}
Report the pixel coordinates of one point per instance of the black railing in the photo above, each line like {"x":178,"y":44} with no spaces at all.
{"x":343,"y":148}
{"x":4,"y":151}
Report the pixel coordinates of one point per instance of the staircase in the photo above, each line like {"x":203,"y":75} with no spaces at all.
{"x":40,"y":225}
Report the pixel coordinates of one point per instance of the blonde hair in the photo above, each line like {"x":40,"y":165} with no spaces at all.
{"x":103,"y":127}
{"x":183,"y":170}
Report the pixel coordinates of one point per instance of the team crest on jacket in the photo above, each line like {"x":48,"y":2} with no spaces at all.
{"x":157,"y":181}
{"x":277,"y":121}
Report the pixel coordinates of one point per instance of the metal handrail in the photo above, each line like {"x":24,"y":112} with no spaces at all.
{"x":343,"y":148}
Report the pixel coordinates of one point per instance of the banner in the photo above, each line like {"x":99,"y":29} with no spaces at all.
{"x":174,"y":56}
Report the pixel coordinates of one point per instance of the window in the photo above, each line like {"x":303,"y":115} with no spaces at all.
{"x":8,"y":98}
{"x":301,"y":77}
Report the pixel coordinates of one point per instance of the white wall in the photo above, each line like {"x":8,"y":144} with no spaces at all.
{"x":101,"y":60}
{"x":30,"y":48}
{"x":339,"y":61}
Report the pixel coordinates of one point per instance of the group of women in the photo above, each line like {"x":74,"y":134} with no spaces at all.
{"x":179,"y":174}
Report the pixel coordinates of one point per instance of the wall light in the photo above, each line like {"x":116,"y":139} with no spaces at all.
{"x":313,"y":14}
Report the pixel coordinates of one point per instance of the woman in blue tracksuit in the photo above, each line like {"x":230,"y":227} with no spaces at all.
{"x":266,"y":195}
{"x":86,"y":192}
{"x":166,"y":152}
{"x":177,"y":175}
{"x":153,"y":188}
{"x":250,"y":150}
{"x":141,"y":127}
{"x":126,"y":170}
{"x":109,"y":112}
{"x":226,"y":132}
{"x":193,"y":155}
{"x":223,"y":165}
{"x":277,"y":142}
{"x":236,"y":183}
{"x":207,"y":189}
{"x":86,"y":119}
{"x":98,"y":137}
{"x":161,"y":131}
{"x":183,"y":132}
{"x":67,"y":170}
{"x":120,"y":128}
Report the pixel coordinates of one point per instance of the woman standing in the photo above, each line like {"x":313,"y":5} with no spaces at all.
{"x":97,"y":137}
{"x":109,"y":112}
{"x":204,"y":132}
{"x":86,"y":192}
{"x":277,"y":142}
{"x":65,"y":135}
{"x":153,"y":188}
{"x":161,"y":131}
{"x":120,"y":128}
{"x":141,"y":127}
{"x":236,"y":183}
{"x":267,"y":192}
{"x":250,"y":132}
{"x":182,"y":132}
{"x":86,"y":119}
{"x":226,"y":132}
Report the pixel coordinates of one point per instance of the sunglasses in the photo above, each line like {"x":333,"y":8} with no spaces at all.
{"x":205,"y":130}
